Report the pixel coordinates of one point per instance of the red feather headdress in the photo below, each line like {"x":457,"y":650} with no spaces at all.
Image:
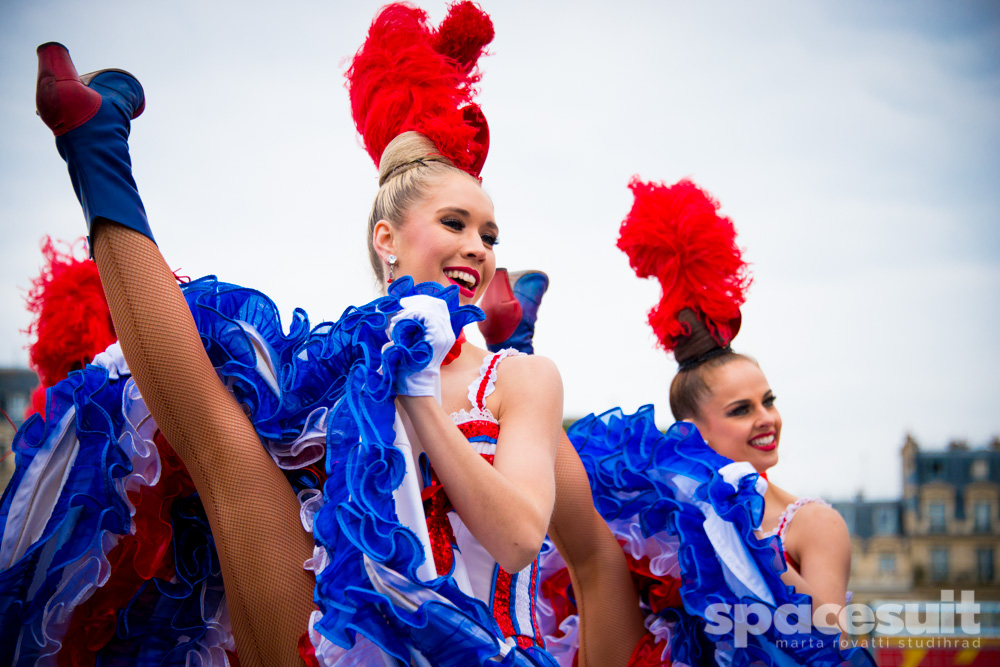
{"x":72,"y":322}
{"x":408,"y":76}
{"x":676,"y":235}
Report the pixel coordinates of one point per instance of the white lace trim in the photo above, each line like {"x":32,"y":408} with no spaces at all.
{"x":474,"y":415}
{"x":491,"y":381}
{"x":789,"y":513}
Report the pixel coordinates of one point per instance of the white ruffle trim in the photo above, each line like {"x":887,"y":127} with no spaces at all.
{"x":786,"y":517}
{"x":661,"y":550}
{"x":489,"y":374}
{"x":307,"y":448}
{"x":561,"y":642}
{"x":363,"y":654}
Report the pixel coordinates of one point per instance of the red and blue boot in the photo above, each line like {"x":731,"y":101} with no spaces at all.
{"x":90,"y":116}
{"x":512,"y":310}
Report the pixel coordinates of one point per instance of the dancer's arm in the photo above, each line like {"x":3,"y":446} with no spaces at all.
{"x":819,"y":542}
{"x":252,"y":509}
{"x":506,"y":506}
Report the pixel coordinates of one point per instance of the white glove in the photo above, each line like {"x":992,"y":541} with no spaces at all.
{"x":433,"y":314}
{"x":113,"y":359}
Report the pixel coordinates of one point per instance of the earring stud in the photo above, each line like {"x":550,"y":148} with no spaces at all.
{"x":391,"y":259}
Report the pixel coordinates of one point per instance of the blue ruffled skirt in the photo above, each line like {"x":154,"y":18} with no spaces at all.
{"x":106,"y":554}
{"x":691,"y":513}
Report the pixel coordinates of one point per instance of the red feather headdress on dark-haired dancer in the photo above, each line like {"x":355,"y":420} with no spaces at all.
{"x":675,"y":234}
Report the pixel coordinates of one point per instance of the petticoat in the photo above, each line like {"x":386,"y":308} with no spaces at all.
{"x":106,"y":556}
{"x":685,"y":517}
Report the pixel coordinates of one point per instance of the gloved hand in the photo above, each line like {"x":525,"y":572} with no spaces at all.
{"x":433,"y":314}
{"x":113,"y":359}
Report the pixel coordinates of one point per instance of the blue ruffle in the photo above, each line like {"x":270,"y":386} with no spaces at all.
{"x":332,"y":380}
{"x":88,"y":507}
{"x":40,"y":589}
{"x":358,"y":520}
{"x":166,"y":619}
{"x":342,"y":367}
{"x":668,"y":484}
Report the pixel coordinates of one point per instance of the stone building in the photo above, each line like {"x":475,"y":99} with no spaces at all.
{"x":943,"y":534}
{"x":16,"y":385}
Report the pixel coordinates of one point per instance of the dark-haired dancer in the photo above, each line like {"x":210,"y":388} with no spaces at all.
{"x":695,"y":507}
{"x":724,"y":393}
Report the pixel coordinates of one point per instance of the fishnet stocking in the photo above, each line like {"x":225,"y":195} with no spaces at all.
{"x":611,"y":623}
{"x":252,"y":510}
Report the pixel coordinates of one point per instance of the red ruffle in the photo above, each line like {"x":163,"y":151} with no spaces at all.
{"x":648,"y":651}
{"x":558,"y":590}
{"x":307,"y":651}
{"x":145,"y":554}
{"x":659,"y":592}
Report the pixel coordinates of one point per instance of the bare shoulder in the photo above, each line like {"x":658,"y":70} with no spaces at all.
{"x":530,"y":366}
{"x":819,"y":523}
{"x":529,"y":379}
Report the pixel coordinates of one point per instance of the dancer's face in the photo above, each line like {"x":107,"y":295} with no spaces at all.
{"x":739,"y":419}
{"x":447,"y":238}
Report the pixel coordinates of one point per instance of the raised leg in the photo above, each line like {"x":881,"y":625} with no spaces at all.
{"x":252,"y":510}
{"x":611,"y":623}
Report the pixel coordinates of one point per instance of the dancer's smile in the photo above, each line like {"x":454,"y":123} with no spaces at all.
{"x":739,"y":419}
{"x":466,"y":278}
{"x":765,"y":442}
{"x":447,"y":237}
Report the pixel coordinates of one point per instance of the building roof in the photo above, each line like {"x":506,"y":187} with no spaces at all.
{"x":870,"y":518}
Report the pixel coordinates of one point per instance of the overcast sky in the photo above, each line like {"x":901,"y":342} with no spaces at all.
{"x":856,"y":146}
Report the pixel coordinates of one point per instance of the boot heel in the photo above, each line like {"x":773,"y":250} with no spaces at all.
{"x":90,"y":116}
{"x":62,"y":101}
{"x":503,"y":312}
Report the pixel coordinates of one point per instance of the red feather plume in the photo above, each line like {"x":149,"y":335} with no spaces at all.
{"x":675,"y":234}
{"x":464,"y":35}
{"x":408,"y":76}
{"x":72,"y":322}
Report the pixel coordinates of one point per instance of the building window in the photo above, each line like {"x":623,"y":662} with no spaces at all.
{"x":885,"y":521}
{"x":984,"y":565}
{"x":981,"y":516}
{"x":16,"y":404}
{"x":848,"y":514}
{"x":980,"y":469}
{"x":887,"y":563}
{"x":939,"y":563}
{"x":935,"y":513}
